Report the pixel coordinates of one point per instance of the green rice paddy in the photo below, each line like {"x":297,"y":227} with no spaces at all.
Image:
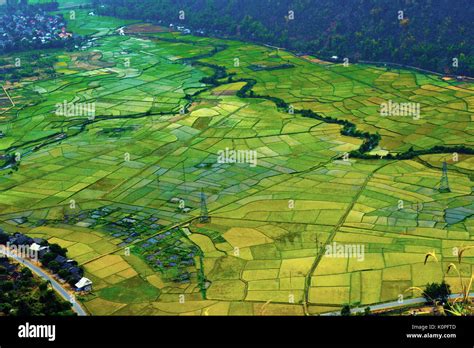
{"x":153,"y":144}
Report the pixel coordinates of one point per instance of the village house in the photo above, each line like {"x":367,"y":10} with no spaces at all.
{"x":84,"y":284}
{"x":31,"y":27}
{"x":39,"y":249}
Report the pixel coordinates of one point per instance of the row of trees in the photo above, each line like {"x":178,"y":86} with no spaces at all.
{"x":22,"y":294}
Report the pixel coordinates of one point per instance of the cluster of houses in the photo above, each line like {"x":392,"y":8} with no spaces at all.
{"x":170,"y":255}
{"x":31,"y":28}
{"x":166,"y":252}
{"x":183,"y":30}
{"x":186,"y":31}
{"x":121,"y":222}
{"x":130,"y":228}
{"x":64,"y":268}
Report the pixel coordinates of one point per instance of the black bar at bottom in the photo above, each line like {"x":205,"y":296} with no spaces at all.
{"x":222,"y":331}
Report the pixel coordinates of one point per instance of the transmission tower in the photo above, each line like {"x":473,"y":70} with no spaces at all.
{"x":418,"y":207}
{"x":184,"y":179}
{"x":444,"y":185}
{"x":204,"y":218}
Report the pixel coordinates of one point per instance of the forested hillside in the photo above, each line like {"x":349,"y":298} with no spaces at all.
{"x":428,"y":34}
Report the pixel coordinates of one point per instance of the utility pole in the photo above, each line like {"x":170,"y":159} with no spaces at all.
{"x":184,"y":179}
{"x":204,"y":218}
{"x":444,"y":185}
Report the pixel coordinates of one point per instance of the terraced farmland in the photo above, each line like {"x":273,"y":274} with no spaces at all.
{"x":121,"y":187}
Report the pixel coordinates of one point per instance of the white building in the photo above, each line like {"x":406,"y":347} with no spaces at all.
{"x":84,"y":285}
{"x":39,"y":249}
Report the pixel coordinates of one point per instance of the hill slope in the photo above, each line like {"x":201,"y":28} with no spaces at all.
{"x":429,"y":36}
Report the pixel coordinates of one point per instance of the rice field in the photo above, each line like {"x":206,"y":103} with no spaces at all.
{"x":120,"y":187}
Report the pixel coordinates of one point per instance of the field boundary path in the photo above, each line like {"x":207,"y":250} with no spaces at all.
{"x":330,"y":239}
{"x":8,"y":96}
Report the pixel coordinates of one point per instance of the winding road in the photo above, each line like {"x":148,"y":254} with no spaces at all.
{"x":56,"y":286}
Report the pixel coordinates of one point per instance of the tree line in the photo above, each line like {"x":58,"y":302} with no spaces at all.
{"x":425,"y":34}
